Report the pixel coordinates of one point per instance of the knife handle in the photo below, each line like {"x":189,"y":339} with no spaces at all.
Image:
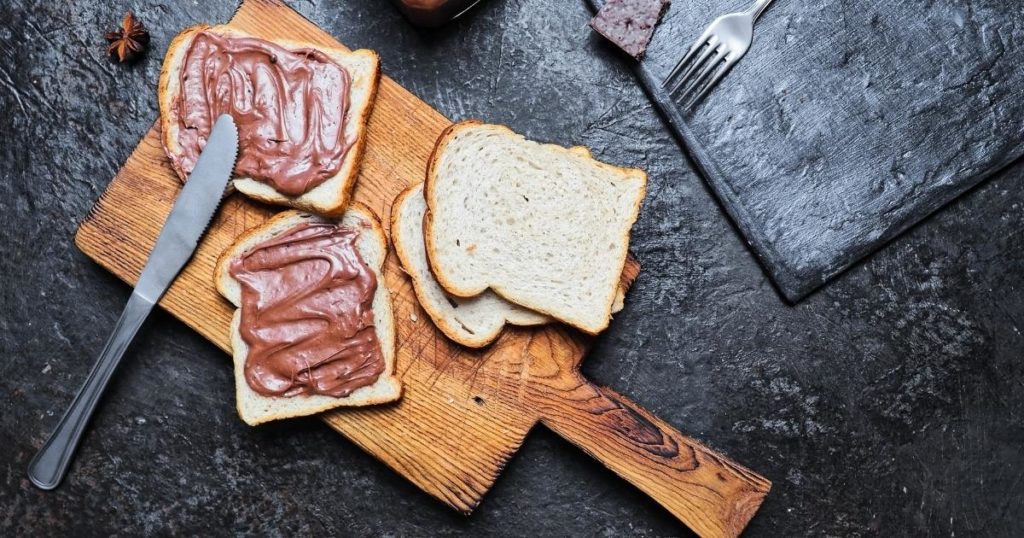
{"x":50,"y":464}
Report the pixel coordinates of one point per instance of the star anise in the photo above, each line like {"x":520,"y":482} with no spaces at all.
{"x":129,"y":41}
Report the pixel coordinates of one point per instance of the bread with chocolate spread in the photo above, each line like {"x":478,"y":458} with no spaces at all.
{"x":313,"y":327}
{"x":301,"y":110}
{"x":543,"y":226}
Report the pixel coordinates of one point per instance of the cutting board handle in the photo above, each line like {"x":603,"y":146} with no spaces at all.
{"x":711,"y":494}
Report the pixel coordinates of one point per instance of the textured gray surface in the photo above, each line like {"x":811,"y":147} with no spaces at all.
{"x":849,"y":121}
{"x":892,"y":402}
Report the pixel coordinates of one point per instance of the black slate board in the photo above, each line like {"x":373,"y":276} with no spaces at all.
{"x":848,"y":121}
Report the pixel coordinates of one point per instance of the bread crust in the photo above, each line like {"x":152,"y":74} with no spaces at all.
{"x":359,"y":113}
{"x":431,"y":195}
{"x":439,"y":318}
{"x":387,"y":388}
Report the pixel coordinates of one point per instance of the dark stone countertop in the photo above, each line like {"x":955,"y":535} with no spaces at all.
{"x":891,"y":402}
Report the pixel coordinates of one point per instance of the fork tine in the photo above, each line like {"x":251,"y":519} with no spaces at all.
{"x":697,"y":45}
{"x":706,"y":71}
{"x":696,"y":65}
{"x":682,"y":62}
{"x":710,"y":84}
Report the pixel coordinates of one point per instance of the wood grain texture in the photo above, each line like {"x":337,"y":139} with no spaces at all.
{"x":464,"y":412}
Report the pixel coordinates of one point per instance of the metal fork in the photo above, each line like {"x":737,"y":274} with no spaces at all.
{"x":713,"y":54}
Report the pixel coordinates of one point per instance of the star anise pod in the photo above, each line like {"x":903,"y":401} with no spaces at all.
{"x":129,"y":41}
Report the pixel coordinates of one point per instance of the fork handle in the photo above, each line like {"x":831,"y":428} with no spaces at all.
{"x":758,"y":8}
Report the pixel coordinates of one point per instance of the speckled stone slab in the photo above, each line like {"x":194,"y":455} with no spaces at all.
{"x":848,"y":121}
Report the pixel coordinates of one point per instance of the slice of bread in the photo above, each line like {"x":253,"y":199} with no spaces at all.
{"x":543,"y":226}
{"x":470,"y":321}
{"x":328,"y":198}
{"x":255,"y":408}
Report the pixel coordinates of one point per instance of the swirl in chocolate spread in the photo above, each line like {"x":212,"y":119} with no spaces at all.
{"x":307,"y":318}
{"x":290,"y":107}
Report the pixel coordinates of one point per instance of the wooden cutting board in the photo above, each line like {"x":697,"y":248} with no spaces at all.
{"x":464,"y":413}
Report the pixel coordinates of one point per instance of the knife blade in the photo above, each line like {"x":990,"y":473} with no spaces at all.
{"x":189,"y":217}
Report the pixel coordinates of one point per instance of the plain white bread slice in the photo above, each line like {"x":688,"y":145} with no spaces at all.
{"x":543,"y":226}
{"x":330,"y":197}
{"x":254,"y":408}
{"x":470,"y":321}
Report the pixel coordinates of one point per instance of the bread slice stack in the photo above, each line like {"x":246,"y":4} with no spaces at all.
{"x":514,"y":231}
{"x":255,"y":408}
{"x":471,"y":321}
{"x":328,"y":198}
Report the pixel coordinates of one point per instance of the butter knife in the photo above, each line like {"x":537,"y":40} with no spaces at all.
{"x":191,"y":214}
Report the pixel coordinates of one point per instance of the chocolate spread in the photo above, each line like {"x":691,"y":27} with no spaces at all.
{"x":307,"y":316}
{"x":290,"y":107}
